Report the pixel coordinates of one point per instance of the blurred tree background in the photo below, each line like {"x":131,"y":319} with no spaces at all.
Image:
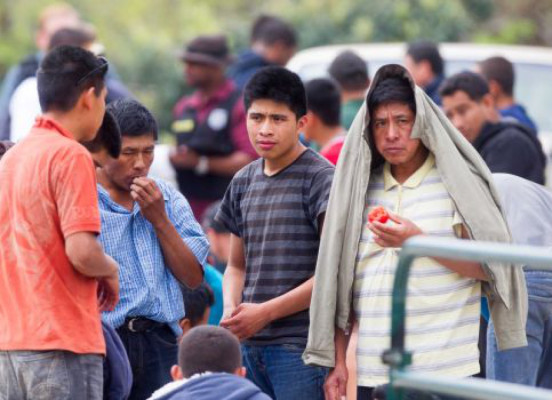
{"x":142,"y":36}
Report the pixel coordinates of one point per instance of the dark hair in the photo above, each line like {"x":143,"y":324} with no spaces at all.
{"x":77,"y":37}
{"x":426,"y":50}
{"x":279,"y":85}
{"x":324,"y":100}
{"x":392,"y":90}
{"x":65,"y":73}
{"x":350,"y":71}
{"x":269,"y":30}
{"x":133,"y":118}
{"x":108,"y":137}
{"x":209,"y":222}
{"x":474,"y":85}
{"x":209,"y":349}
{"x":500,"y":70}
{"x":196,"y":301}
{"x":4,"y":147}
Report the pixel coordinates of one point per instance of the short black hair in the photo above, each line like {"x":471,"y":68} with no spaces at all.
{"x":279,"y":85}
{"x":77,"y":37}
{"x":392,"y":90}
{"x":350,"y":71}
{"x":501,"y":70}
{"x":209,"y":222}
{"x":209,"y":348}
{"x":133,"y":118}
{"x":5,"y":145}
{"x":324,"y":100}
{"x":426,"y":50}
{"x":269,"y":30}
{"x":65,"y":73}
{"x":474,"y":85}
{"x":108,"y":137}
{"x":196,"y":301}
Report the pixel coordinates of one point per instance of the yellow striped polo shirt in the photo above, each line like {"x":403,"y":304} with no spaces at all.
{"x":442,"y":325}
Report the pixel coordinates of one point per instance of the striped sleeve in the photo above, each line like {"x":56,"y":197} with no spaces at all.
{"x":227,"y":212}
{"x":320,"y":193}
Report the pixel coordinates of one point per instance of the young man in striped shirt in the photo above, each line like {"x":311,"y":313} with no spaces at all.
{"x":444,"y":296}
{"x":274,"y":209}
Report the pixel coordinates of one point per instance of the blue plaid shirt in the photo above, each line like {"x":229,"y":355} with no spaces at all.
{"x":148,"y":287}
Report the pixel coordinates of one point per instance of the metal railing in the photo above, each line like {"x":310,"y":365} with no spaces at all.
{"x":398,"y":359}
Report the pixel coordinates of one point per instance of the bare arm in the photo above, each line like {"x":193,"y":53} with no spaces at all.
{"x":229,"y":165}
{"x":186,"y":158}
{"x":180,"y":259}
{"x":469,"y":269}
{"x":87,"y":256}
{"x":234,"y":276}
{"x":387,"y":235}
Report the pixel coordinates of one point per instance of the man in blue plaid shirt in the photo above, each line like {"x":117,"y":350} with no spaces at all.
{"x":149,"y":228}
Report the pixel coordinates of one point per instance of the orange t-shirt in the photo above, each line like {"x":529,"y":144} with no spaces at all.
{"x":47,"y":192}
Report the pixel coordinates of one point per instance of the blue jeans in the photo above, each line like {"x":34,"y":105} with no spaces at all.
{"x":530,"y":365}
{"x":279,"y":371}
{"x":151,"y":355}
{"x":56,"y":374}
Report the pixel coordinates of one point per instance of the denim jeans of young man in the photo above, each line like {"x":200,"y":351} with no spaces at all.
{"x":279,"y":371}
{"x":45,"y":375}
{"x":151,"y":355}
{"x":530,"y":365}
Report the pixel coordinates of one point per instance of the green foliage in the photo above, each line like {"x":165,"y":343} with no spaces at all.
{"x":141,"y":37}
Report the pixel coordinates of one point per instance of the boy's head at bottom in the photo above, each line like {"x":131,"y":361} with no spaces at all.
{"x":208,"y":349}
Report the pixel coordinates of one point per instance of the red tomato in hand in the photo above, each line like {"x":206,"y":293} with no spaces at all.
{"x":379,"y":214}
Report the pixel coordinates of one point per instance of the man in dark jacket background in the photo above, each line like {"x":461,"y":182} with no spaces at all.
{"x":273,"y":42}
{"x":505,"y":146}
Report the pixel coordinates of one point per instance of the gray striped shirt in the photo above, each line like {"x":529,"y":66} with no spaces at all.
{"x":277,"y":217}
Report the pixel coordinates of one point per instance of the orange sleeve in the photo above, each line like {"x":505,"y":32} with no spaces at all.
{"x":76,"y":194}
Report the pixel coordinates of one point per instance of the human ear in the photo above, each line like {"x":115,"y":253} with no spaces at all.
{"x":176,"y":373}
{"x":241,"y":372}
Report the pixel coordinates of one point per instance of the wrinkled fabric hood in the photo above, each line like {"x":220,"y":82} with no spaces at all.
{"x":469,"y":183}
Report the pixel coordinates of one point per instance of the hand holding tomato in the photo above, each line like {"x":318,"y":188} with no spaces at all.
{"x":379,"y":214}
{"x":393,"y":235}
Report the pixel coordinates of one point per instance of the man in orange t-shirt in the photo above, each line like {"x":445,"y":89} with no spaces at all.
{"x":54,"y":276}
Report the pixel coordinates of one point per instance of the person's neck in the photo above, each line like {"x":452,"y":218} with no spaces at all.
{"x":69,"y":122}
{"x":402,"y":172}
{"x":351,"y":96}
{"x":503,"y":101}
{"x":272,"y":167}
{"x":210,"y":89}
{"x":117,"y":194}
{"x":327,"y":133}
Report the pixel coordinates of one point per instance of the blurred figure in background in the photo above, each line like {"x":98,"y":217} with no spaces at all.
{"x":209,"y":125}
{"x":24,"y":106}
{"x":198,"y":303}
{"x":506,"y":147}
{"x":51,"y":19}
{"x":323,"y":112}
{"x":425,"y":64}
{"x":219,"y":242}
{"x":351,"y":73}
{"x":500,"y":74}
{"x":273,"y":42}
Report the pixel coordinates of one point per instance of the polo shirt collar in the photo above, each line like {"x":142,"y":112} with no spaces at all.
{"x":43,"y":122}
{"x":414,"y":180}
